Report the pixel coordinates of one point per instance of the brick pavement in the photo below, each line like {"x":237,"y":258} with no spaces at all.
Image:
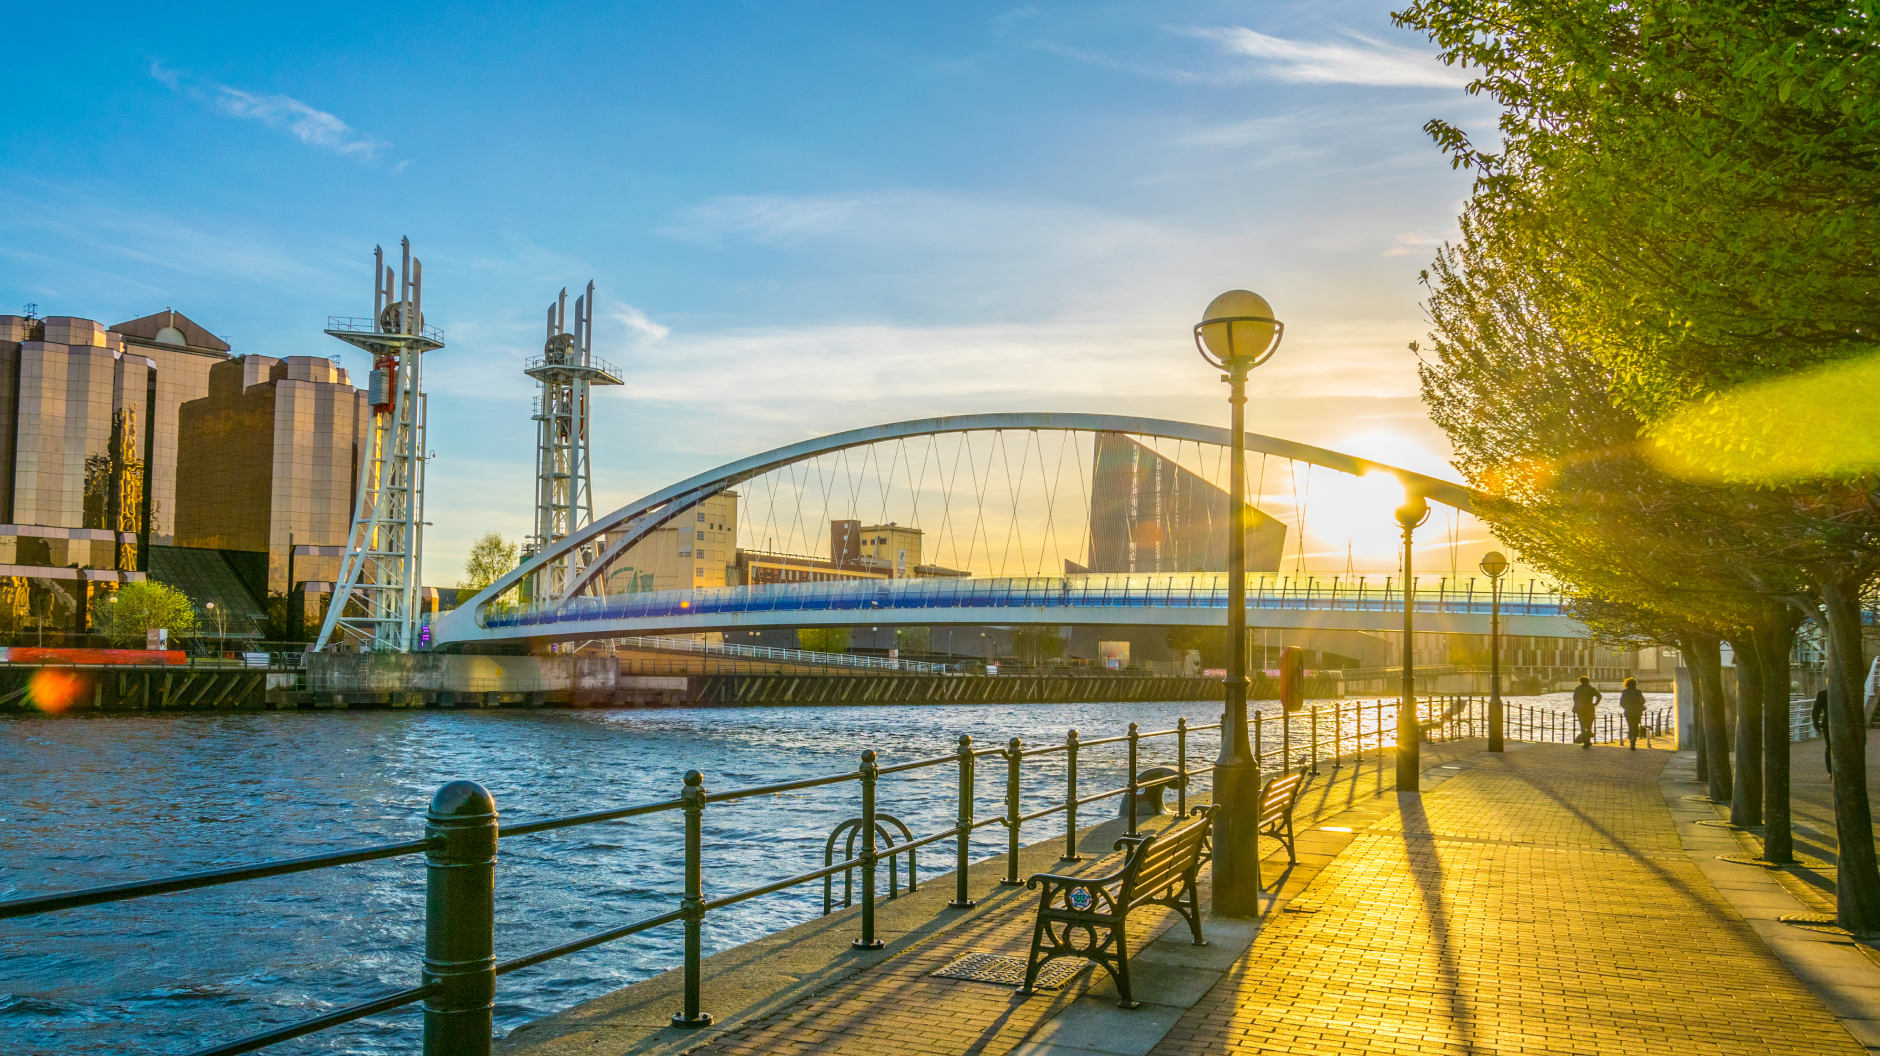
{"x":1536,"y":903}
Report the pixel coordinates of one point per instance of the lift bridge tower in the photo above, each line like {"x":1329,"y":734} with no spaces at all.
{"x":375,"y":600}
{"x":564,"y":482}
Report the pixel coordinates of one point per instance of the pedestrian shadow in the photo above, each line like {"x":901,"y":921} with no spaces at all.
{"x":1429,"y":881}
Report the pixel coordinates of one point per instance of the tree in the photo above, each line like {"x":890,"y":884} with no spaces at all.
{"x":1210,"y":642}
{"x":913,"y":640}
{"x":1035,"y":645}
{"x":490,"y":560}
{"x":824,"y":639}
{"x":127,"y":613}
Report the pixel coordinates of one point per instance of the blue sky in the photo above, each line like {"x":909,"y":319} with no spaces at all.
{"x":802,"y":217}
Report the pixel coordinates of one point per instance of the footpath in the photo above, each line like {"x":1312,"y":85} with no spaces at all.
{"x":1547,"y":900}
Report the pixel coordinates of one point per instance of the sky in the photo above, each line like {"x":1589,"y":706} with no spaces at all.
{"x":801,"y":217}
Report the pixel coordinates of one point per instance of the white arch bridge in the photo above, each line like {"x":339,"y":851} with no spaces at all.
{"x":586,"y":610}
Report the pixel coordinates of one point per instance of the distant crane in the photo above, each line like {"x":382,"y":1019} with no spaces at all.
{"x":375,"y":600}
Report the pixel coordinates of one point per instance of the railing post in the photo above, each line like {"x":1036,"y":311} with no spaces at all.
{"x":960,"y":899}
{"x":1338,"y":734}
{"x":692,"y":908}
{"x":1070,"y":801}
{"x":1014,"y":750}
{"x":1181,"y":764}
{"x":460,"y":920}
{"x":869,"y":771}
{"x":1315,"y":737}
{"x":1132,"y":781}
{"x":1285,"y":739}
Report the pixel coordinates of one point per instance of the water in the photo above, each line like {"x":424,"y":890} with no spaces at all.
{"x":89,"y":800}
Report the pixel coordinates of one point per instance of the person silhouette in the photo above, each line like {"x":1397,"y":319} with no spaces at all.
{"x":1585,"y":700}
{"x":1819,"y":716}
{"x":1632,"y":701}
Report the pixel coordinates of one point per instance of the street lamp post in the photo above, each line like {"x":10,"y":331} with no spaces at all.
{"x":1494,"y":566}
{"x":1410,"y":515}
{"x":1236,"y":334}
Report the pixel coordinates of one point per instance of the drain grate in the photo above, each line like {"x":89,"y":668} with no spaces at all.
{"x":1010,"y":971}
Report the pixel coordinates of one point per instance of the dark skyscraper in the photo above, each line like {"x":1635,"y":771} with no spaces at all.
{"x":1148,"y":514}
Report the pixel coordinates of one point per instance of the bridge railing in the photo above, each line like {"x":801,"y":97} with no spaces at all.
{"x":1203,"y":590}
{"x":788,"y":656}
{"x":459,"y":972}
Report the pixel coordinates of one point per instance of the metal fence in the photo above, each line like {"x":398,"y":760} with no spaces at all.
{"x":461,"y":838}
{"x":788,"y":656}
{"x":1198,"y":590}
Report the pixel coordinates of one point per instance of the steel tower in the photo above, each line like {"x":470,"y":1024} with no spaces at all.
{"x":375,"y":601}
{"x":564,"y":482}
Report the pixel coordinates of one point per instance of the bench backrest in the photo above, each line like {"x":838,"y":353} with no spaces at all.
{"x":1164,"y":859}
{"x":1279,"y":795}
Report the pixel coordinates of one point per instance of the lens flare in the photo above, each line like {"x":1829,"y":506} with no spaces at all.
{"x":53,"y":691}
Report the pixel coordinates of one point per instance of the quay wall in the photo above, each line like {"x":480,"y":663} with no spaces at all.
{"x":438,"y":680}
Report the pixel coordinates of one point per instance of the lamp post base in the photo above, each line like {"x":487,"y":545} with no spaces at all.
{"x":1236,"y":840}
{"x":1496,"y":730}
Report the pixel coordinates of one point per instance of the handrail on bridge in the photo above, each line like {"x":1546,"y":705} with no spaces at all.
{"x":462,"y":835}
{"x":1191,"y":590}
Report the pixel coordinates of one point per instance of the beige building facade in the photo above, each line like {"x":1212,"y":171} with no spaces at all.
{"x":699,"y":548}
{"x":273,"y":464}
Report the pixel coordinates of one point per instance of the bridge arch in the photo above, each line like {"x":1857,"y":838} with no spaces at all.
{"x":655,"y":510}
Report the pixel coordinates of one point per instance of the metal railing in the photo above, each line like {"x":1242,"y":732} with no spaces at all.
{"x":462,"y":835}
{"x":788,"y":656}
{"x":359,"y":324}
{"x":1197,"y":590}
{"x":1802,"y":720}
{"x":1553,"y":726}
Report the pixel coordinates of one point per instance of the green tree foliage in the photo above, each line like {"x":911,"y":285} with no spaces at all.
{"x":913,"y":640}
{"x":1699,"y":177}
{"x":1035,"y":645}
{"x":824,"y":639}
{"x":490,"y":559}
{"x":125,"y":614}
{"x":1210,"y":642}
{"x":1682,"y":213}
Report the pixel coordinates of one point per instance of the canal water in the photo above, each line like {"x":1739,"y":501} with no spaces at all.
{"x":91,"y":800}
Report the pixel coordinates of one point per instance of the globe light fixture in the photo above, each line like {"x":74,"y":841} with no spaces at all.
{"x":1236,"y":333}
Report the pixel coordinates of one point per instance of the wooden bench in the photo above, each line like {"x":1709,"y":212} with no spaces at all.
{"x":1083,"y":916}
{"x":1278,"y":797}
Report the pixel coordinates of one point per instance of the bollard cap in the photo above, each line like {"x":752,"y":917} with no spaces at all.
{"x":693,"y":779}
{"x":463,"y":799}
{"x":1015,"y":743}
{"x":1071,"y":736}
{"x":966,"y":740}
{"x":868,"y":755}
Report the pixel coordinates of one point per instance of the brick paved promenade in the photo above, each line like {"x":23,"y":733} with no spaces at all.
{"x":1537,"y":902}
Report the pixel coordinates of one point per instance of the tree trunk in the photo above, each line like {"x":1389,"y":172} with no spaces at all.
{"x":1857,"y":889}
{"x":1687,"y":658}
{"x":1775,"y":639}
{"x":1746,"y":803}
{"x":1706,"y":668}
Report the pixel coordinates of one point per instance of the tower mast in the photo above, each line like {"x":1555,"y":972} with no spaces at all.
{"x":564,"y":482}
{"x":375,"y":600}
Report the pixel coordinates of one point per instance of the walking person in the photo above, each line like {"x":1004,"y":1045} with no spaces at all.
{"x":1585,"y":700}
{"x":1632,"y":701}
{"x":1820,"y":718}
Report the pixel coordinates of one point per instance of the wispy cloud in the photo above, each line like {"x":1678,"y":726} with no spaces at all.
{"x":639,"y":325}
{"x":1420,"y":243}
{"x":309,"y":124}
{"x":775,"y":220}
{"x":1366,"y":61}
